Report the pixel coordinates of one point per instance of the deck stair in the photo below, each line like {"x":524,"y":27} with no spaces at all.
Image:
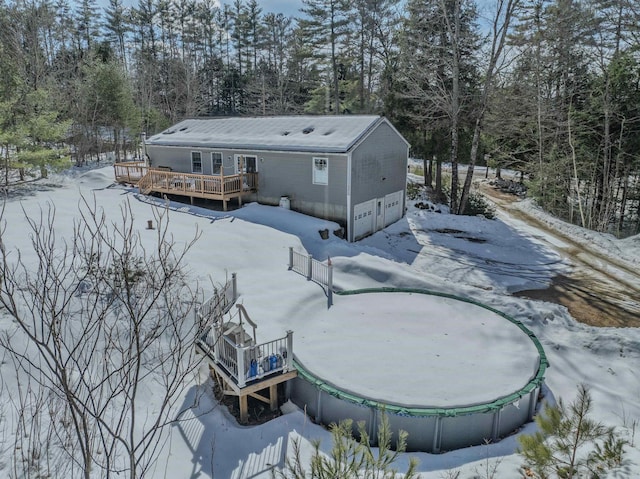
{"x":240,"y":365}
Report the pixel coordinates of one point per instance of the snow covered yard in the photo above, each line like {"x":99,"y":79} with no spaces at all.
{"x":473,"y":257}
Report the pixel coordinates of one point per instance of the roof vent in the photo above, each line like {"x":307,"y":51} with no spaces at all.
{"x":328,"y":132}
{"x":184,"y":128}
{"x":168,"y":132}
{"x":285,"y":133}
{"x":308,"y":130}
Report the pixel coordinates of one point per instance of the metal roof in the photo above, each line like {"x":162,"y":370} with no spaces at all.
{"x":323,"y":134}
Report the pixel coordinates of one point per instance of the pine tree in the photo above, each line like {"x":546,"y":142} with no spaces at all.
{"x":117,"y":27}
{"x":350,"y":458}
{"x":569,"y":444}
{"x":326,"y":29}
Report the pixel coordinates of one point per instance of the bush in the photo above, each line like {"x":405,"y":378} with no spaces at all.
{"x":415,"y":191}
{"x":478,"y":205}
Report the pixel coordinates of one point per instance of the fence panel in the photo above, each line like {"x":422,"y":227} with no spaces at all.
{"x":313,"y":270}
{"x":229,"y":356}
{"x":270,"y":357}
{"x":320,"y":272}
{"x":300,"y":263}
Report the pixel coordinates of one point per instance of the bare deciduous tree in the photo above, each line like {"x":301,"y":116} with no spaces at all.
{"x":107,"y":320}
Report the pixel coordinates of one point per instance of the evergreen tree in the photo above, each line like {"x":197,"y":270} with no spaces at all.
{"x":117,"y":26}
{"x":570,"y":444}
{"x":108,"y":104}
{"x":325,"y":29}
{"x":87,"y":21}
{"x":438,"y":79}
{"x":350,"y":458}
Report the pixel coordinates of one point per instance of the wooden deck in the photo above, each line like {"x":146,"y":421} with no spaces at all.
{"x":130,"y":172}
{"x":214,"y":187}
{"x":239,"y":365}
{"x":229,"y":386}
{"x":238,"y":375}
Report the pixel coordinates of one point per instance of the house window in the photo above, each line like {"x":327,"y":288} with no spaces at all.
{"x":320,"y":171}
{"x":196,"y":162}
{"x":216,"y":163}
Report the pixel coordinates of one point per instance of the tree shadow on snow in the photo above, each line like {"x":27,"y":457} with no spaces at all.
{"x":220,"y":447}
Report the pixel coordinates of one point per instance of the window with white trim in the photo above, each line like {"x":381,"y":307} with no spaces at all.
{"x":196,"y":162}
{"x":216,"y":163}
{"x":320,"y":171}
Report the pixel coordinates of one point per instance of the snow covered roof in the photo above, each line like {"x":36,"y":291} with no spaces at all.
{"x":325,"y":134}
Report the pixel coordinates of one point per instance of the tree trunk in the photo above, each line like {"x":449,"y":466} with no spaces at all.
{"x":500,"y":31}
{"x":455,"y":107}
{"x":439,"y":179}
{"x":428,"y":172}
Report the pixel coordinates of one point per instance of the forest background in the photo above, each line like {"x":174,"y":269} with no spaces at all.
{"x":548,"y":88}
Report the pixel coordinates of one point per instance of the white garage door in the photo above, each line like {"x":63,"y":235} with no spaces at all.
{"x":363,"y":219}
{"x":392,"y":207}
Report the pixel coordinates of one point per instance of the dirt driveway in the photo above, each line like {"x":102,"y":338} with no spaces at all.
{"x":599,"y":291}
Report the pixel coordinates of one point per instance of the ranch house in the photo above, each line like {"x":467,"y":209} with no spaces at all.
{"x":350,"y":169}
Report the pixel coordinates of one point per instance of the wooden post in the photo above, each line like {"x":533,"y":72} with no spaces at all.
{"x":273,"y":396}
{"x":241,"y":181}
{"x":244,"y":409}
{"x":310,"y":267}
{"x":224,"y":201}
{"x":290,"y":258}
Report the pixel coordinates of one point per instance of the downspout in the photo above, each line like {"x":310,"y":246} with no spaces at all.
{"x":145,"y":157}
{"x":349,"y":225}
{"x":406,"y":169}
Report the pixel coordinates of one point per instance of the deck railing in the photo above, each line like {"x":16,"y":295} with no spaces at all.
{"x":250,"y":363}
{"x":130,"y":171}
{"x":163,"y":180}
{"x":205,"y":185}
{"x":242,"y":362}
{"x":313,"y":270}
{"x":214,"y":308}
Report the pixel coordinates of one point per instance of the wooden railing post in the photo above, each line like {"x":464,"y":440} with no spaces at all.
{"x":310,"y":267}
{"x":290,"y":257}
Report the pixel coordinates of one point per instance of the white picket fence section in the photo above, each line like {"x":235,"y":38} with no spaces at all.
{"x":313,"y":270}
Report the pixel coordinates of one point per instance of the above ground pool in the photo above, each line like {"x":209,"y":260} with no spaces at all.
{"x":449,"y":371}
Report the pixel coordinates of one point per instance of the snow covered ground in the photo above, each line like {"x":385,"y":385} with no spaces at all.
{"x":481,"y":259}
